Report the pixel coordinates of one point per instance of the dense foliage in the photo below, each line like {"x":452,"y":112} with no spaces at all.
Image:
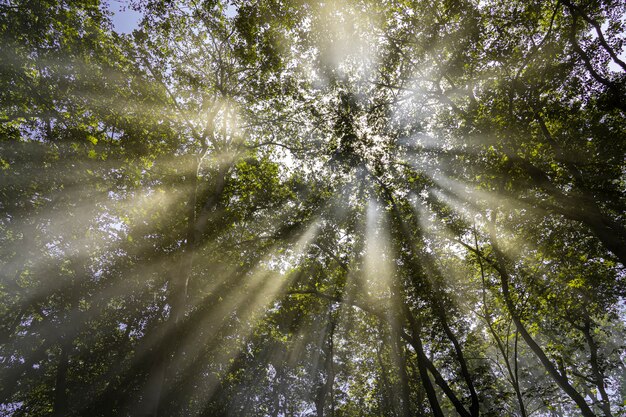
{"x":307,"y":208}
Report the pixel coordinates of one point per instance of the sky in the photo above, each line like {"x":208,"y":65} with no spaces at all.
{"x":124,"y":19}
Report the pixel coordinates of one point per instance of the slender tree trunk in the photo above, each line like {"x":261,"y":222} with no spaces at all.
{"x":598,"y":376}
{"x":327,"y":386}
{"x":197,"y":221}
{"x":475,"y":405}
{"x":423,"y":362}
{"x":386,"y":404}
{"x":400,"y":361}
{"x":437,"y":305}
{"x":60,"y":405}
{"x":513,"y":374}
{"x":559,"y":378}
{"x":515,"y":378}
{"x":422,"y":366}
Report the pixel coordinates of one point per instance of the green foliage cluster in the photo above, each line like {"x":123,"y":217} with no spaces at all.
{"x":313,"y":208}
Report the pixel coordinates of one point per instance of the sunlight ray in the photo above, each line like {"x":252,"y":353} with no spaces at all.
{"x":263,"y":287}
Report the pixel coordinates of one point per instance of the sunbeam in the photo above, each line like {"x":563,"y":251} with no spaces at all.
{"x":303,"y":208}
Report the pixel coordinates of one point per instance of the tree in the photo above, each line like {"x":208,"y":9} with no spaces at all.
{"x":337,"y":208}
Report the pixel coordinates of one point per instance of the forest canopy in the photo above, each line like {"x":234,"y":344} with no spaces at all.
{"x":313,"y":208}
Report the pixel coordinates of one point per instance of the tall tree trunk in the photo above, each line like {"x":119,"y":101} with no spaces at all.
{"x":512,"y":371}
{"x":197,"y":222}
{"x":400,"y":362}
{"x":386,"y":402}
{"x":422,"y":366}
{"x":475,"y":405}
{"x":559,"y":378}
{"x":60,"y":405}
{"x":438,"y":308}
{"x":596,"y":370}
{"x":327,"y":386}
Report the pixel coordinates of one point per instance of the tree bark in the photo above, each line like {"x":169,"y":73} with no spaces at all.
{"x":398,"y":353}
{"x":60,"y":405}
{"x":422,"y":366}
{"x":559,"y":378}
{"x":513,"y":375}
{"x":598,"y":376}
{"x":327,"y":386}
{"x":475,"y":404}
{"x":197,"y":223}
